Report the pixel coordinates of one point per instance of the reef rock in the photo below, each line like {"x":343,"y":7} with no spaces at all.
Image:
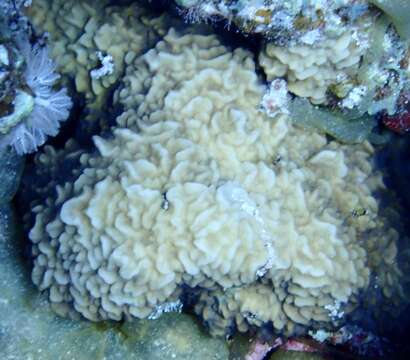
{"x":11,"y":168}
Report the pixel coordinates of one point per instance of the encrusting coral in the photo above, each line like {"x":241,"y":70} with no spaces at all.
{"x":198,"y":189}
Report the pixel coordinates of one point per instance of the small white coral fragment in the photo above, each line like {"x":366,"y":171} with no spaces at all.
{"x":175,"y":306}
{"x":275,"y":101}
{"x":354,"y":97}
{"x":335,"y":311}
{"x":107,"y":66}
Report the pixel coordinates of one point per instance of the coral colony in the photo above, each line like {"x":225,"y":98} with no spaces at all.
{"x":235,"y":228}
{"x":243,"y":181}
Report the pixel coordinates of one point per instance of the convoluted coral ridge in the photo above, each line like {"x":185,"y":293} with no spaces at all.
{"x":198,"y":189}
{"x":312,"y":68}
{"x":296,"y":302}
{"x":91,"y":43}
{"x":165,"y":244}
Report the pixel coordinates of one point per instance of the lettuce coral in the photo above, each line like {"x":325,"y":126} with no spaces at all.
{"x":197,"y":189}
{"x":312,"y":68}
{"x":82,"y":33}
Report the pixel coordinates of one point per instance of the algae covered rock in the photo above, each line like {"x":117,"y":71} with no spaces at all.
{"x":398,"y":11}
{"x":28,"y":330}
{"x":10,"y":173}
{"x":336,"y":124}
{"x":294,"y":355}
{"x":172,"y":336}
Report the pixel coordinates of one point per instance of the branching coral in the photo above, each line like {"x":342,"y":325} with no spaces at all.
{"x":197,"y":189}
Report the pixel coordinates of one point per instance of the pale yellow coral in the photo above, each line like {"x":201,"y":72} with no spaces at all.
{"x":311,"y":69}
{"x":198,"y":188}
{"x":80,"y":31}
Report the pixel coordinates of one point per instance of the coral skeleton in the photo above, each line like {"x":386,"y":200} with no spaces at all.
{"x":107,"y":66}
